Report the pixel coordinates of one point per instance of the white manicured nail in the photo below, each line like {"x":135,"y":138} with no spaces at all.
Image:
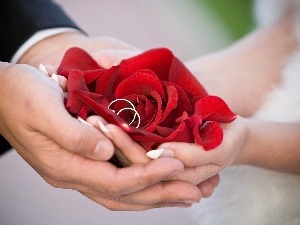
{"x":104,"y":129}
{"x":159,"y":153}
{"x":43,"y":69}
{"x":84,"y":122}
{"x":55,"y":77}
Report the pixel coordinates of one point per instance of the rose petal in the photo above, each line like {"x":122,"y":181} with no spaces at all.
{"x":194,"y":123}
{"x":213,"y":108}
{"x":178,"y":102}
{"x":158,"y":60}
{"x":152,"y":125}
{"x":83,"y":112}
{"x":111,"y":117}
{"x":181,"y":76}
{"x":76,"y":58}
{"x":75,"y":83}
{"x":140,"y":84}
{"x":181,"y":134}
{"x":211,"y":135}
{"x":164,"y":131}
{"x":106,"y":83}
{"x":92,"y":75}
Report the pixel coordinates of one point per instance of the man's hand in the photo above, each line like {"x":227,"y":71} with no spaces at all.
{"x":51,"y":50}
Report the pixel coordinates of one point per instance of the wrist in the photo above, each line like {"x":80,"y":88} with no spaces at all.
{"x":245,"y":156}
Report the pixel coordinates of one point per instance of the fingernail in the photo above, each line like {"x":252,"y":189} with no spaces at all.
{"x":55,"y":77}
{"x":43,"y":69}
{"x":103,"y":150}
{"x":104,"y":130}
{"x":160,"y":153}
{"x":84,"y":122}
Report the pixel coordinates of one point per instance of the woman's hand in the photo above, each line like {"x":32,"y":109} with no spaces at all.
{"x":201,"y":165}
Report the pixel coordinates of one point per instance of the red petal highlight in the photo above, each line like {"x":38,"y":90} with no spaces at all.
{"x":181,"y":76}
{"x":215,"y":109}
{"x":75,"y":83}
{"x":211,"y":135}
{"x":76,"y":58}
{"x":158,"y":60}
{"x":140,"y":84}
{"x":106,"y":83}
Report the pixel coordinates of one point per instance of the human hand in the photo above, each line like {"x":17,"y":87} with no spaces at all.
{"x":201,"y":165}
{"x":129,"y":152}
{"x":69,"y":154}
{"x":107,"y":51}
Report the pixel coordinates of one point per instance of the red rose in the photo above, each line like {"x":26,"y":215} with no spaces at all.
{"x":167,"y":101}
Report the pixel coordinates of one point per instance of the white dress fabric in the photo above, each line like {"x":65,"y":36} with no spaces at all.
{"x":248,"y":195}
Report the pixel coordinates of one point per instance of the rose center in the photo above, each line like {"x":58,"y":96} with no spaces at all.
{"x":135,"y":117}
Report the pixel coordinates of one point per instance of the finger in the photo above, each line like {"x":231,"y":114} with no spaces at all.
{"x":128,"y":151}
{"x":163,"y":192}
{"x":126,"y":146}
{"x":105,"y":178}
{"x":56,"y":123}
{"x":50,"y":69}
{"x":62,"y":81}
{"x":160,"y":195}
{"x":105,"y":42}
{"x":196,"y":175}
{"x":119,"y":159}
{"x":192,"y":155}
{"x":47,"y":69}
{"x":121,"y":206}
{"x":172,"y":193}
{"x":215,"y":180}
{"x":51,"y":72}
{"x":207,"y":187}
{"x":223,"y":155}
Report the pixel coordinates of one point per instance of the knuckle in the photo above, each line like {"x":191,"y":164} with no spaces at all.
{"x":191,"y":159}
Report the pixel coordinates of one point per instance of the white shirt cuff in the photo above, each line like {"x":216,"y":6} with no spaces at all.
{"x":38,"y":36}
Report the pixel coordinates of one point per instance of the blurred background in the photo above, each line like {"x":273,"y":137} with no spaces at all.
{"x":189,"y":28}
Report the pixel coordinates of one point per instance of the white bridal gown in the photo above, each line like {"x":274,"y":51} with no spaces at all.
{"x":248,"y":195}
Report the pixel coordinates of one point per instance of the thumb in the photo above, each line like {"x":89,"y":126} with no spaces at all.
{"x":75,"y":136}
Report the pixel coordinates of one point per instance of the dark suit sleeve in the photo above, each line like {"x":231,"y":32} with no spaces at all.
{"x":19,"y":20}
